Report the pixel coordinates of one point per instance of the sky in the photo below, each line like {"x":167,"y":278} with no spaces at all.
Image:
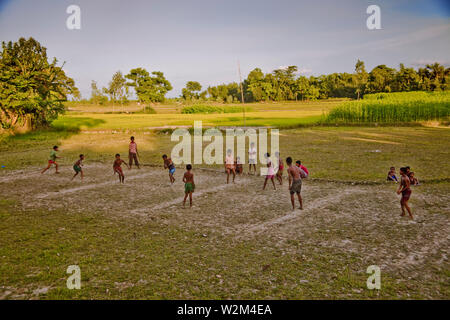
{"x":203,"y":40}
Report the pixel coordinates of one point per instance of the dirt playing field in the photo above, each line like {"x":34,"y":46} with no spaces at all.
{"x":350,"y":227}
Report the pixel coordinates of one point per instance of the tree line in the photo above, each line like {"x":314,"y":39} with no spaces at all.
{"x":283,"y":84}
{"x":33,"y":89}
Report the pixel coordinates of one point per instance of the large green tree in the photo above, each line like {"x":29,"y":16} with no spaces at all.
{"x":192,"y":90}
{"x":31,"y":87}
{"x":149,"y":88}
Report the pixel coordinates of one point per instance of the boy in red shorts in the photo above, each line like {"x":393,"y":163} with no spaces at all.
{"x":118,"y":169}
{"x":52,"y":160}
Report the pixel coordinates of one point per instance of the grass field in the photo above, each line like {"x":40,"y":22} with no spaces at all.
{"x":237,"y":241}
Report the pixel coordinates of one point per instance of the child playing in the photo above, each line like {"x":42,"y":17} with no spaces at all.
{"x":414,"y":181}
{"x":295,"y":182}
{"x":405,"y":190}
{"x":133,"y":153}
{"x":391,"y":175}
{"x":168,"y":164}
{"x":52,"y":160}
{"x":189,"y":185}
{"x":77,"y":167}
{"x":238,"y":165}
{"x":252,"y":158}
{"x":118,"y":169}
{"x":229,"y":165}
{"x":298,"y":163}
{"x":270,"y":173}
{"x":280,"y":168}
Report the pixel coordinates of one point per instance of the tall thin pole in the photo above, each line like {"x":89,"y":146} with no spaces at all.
{"x":242,"y":91}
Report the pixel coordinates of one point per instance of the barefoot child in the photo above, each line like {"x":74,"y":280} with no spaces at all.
{"x":295,"y":182}
{"x":405,"y":190}
{"x":133,"y":153}
{"x":52,"y":160}
{"x":77,"y":167}
{"x":270,"y":172}
{"x":189,"y":185}
{"x":168,"y":164}
{"x":229,"y":166}
{"x":280,"y":168}
{"x":118,"y":169}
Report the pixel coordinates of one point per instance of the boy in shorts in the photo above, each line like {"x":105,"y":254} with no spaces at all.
{"x":189,"y":185}
{"x":270,"y":172}
{"x":295,"y":182}
{"x":118,"y":169}
{"x":77,"y":167}
{"x":229,"y":165}
{"x":280,"y":168}
{"x":405,"y":190}
{"x":52,"y":160}
{"x":168,"y":164}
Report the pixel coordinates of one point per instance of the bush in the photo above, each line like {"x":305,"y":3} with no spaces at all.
{"x":202,"y":108}
{"x":148,"y":110}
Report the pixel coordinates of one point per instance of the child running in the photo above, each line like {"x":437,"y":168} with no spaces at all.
{"x":405,"y":190}
{"x":295,"y":182}
{"x":168,"y":164}
{"x":270,"y":173}
{"x":189,"y":185}
{"x":52,"y":160}
{"x":118,"y":169}
{"x":280,"y":168}
{"x":77,"y":167}
{"x":133,"y":153}
{"x":229,"y":165}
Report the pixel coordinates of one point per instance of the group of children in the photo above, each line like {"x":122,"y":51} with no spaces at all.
{"x":391,"y":176}
{"x":233,"y":166}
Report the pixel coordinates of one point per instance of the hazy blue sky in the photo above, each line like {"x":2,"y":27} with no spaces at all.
{"x":203,"y":39}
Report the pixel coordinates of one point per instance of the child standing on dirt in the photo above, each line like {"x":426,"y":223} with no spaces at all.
{"x":133,"y":153}
{"x":229,"y":165}
{"x":168,"y":164}
{"x":189,"y":185}
{"x":52,"y":160}
{"x":405,"y":190}
{"x":117,"y":167}
{"x":77,"y":167}
{"x":280,"y":168}
{"x":252,"y":158}
{"x":238,"y":164}
{"x":270,"y":172}
{"x":295,"y":182}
